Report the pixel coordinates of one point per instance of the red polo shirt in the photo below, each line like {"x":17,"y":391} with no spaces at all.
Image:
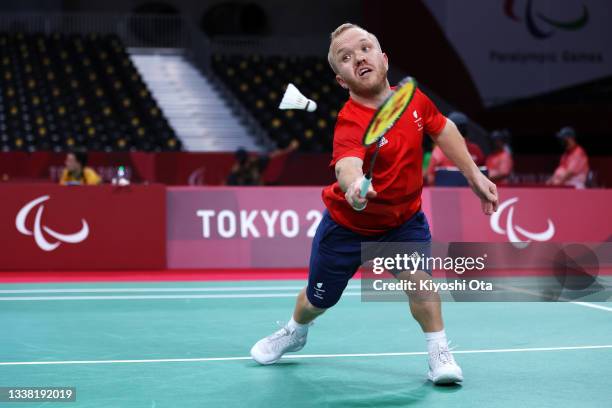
{"x":397,"y":176}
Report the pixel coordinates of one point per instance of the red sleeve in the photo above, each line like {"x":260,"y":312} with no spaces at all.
{"x":433,"y":120}
{"x":347,"y":140}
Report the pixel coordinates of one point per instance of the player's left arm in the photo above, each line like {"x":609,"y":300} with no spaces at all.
{"x":453,"y":145}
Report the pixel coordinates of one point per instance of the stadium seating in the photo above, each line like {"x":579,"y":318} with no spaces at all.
{"x":60,"y":92}
{"x":259,"y":83}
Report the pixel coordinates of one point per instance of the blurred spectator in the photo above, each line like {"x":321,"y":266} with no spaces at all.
{"x":439,"y":159}
{"x":272,"y":164}
{"x":255,"y":170}
{"x":246,"y":170}
{"x":573,"y":168}
{"x":77,"y":172}
{"x":499,"y":162}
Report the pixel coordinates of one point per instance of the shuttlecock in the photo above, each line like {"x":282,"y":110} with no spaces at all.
{"x":293,"y":99}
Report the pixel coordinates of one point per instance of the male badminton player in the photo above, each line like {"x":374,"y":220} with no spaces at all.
{"x":391,"y":209}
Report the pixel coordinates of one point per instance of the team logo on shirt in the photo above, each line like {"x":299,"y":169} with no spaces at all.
{"x":383,"y":141}
{"x":417,"y":119}
{"x":39,"y":236}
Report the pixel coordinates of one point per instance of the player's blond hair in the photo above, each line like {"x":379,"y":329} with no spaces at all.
{"x":336,"y":33}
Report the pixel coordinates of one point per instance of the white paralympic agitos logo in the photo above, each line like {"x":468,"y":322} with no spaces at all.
{"x":41,"y":241}
{"x":514,"y":232}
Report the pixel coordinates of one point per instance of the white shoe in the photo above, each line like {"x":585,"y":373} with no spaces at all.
{"x":442,"y":366}
{"x":270,"y":349}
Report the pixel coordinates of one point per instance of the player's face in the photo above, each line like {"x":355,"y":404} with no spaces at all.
{"x":71,"y":163}
{"x":362,"y":67}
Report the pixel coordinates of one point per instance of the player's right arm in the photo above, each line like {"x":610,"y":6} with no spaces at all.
{"x":349,"y":173}
{"x":347,"y":159}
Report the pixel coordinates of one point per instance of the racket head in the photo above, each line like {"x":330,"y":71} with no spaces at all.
{"x":390,"y":111}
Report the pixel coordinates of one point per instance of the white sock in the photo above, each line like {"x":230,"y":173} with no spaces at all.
{"x":300,"y":329}
{"x":435,"y":338}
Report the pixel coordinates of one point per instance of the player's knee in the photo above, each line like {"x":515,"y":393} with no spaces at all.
{"x":312,"y":309}
{"x":318,"y":304}
{"x":423,"y":298}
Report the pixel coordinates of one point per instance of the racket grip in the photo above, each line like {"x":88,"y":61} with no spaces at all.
{"x":365,"y":186}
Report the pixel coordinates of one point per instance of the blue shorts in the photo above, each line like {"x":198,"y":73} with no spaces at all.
{"x":337,"y":254}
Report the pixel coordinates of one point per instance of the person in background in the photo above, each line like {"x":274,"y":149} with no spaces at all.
{"x":272,"y":164}
{"x":259,"y":169}
{"x":439,"y":159}
{"x":77,"y":172}
{"x":499,"y":162}
{"x":246,"y":170}
{"x":573,"y":168}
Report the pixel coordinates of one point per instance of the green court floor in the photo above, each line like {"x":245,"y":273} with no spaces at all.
{"x":186,"y":344}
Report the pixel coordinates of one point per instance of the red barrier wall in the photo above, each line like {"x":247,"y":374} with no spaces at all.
{"x":241,"y":227}
{"x":550,"y":214}
{"x":82,"y":228}
{"x":45,"y":227}
{"x":273,"y":227}
{"x":47,"y":166}
{"x":179,"y":168}
{"x":212,"y":169}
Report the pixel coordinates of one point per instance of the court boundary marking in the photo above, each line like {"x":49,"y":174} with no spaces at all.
{"x":304,"y":356}
{"x":563,"y":299}
{"x":153,"y":289}
{"x":210,"y":296}
{"x":593,"y":306}
{"x":161,"y":297}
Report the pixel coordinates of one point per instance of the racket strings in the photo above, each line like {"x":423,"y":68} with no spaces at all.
{"x":374,"y":156}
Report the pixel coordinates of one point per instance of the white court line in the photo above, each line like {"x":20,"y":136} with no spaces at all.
{"x":145,"y":297}
{"x":563,"y":300}
{"x":213,"y":296}
{"x":153,"y":290}
{"x":304,"y":356}
{"x":593,"y":305}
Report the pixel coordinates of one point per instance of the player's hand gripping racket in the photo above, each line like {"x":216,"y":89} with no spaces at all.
{"x":383,"y":120}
